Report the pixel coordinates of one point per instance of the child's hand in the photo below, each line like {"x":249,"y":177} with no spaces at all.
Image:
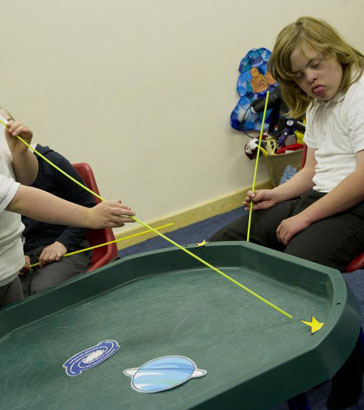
{"x":109,"y":215}
{"x":52,"y":253}
{"x":26,"y":266}
{"x":261,"y":199}
{"x":13,"y":129}
{"x":290,"y":227}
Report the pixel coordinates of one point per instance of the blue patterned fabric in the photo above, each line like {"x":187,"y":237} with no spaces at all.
{"x":288,"y":174}
{"x":253,"y":83}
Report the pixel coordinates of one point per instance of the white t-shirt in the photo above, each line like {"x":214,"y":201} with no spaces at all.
{"x":335,"y":129}
{"x":11,"y":247}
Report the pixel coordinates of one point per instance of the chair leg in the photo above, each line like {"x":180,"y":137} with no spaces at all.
{"x":299,"y":402}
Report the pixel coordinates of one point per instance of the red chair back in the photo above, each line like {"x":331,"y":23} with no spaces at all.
{"x":104,"y":254}
{"x":304,"y":155}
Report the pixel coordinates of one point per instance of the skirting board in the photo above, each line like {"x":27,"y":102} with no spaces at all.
{"x":189,"y":216}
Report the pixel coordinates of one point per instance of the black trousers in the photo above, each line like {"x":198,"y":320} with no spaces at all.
{"x":332,"y":241}
{"x":12,"y":292}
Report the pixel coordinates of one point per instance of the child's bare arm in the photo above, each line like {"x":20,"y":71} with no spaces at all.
{"x":40,"y":205}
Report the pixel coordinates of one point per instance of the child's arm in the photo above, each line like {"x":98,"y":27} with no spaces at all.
{"x":45,"y":207}
{"x":25,"y":163}
{"x":293,"y":188}
{"x":344,"y":196}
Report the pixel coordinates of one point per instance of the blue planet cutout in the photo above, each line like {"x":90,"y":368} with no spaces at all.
{"x":90,"y":357}
{"x":163,"y":373}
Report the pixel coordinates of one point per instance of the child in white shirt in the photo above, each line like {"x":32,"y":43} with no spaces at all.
{"x":18,"y":168}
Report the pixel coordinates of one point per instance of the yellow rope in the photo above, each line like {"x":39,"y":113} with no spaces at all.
{"x":165,"y":237}
{"x":256,"y":166}
{"x":108,"y":243}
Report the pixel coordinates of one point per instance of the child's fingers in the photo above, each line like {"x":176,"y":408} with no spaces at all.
{"x":21,"y":130}
{"x":16,"y":128}
{"x":120,"y":209}
{"x":123,"y":205}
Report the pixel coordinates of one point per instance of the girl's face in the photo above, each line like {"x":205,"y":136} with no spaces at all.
{"x":317,"y":76}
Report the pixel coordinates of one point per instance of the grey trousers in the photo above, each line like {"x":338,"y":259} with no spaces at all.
{"x":57,"y":272}
{"x":12,"y":292}
{"x":332,"y":241}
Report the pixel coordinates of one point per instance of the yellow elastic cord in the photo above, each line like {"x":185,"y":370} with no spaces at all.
{"x":256,"y":166}
{"x":108,"y":243}
{"x":165,"y":237}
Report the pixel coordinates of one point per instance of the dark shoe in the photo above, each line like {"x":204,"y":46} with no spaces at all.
{"x":347,"y":383}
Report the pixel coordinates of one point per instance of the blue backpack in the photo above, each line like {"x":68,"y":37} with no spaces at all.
{"x":253,"y":83}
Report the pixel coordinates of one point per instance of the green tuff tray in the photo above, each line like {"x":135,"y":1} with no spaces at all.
{"x":167,"y":303}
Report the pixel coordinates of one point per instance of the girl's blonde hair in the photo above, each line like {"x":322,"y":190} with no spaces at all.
{"x":321,"y":36}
